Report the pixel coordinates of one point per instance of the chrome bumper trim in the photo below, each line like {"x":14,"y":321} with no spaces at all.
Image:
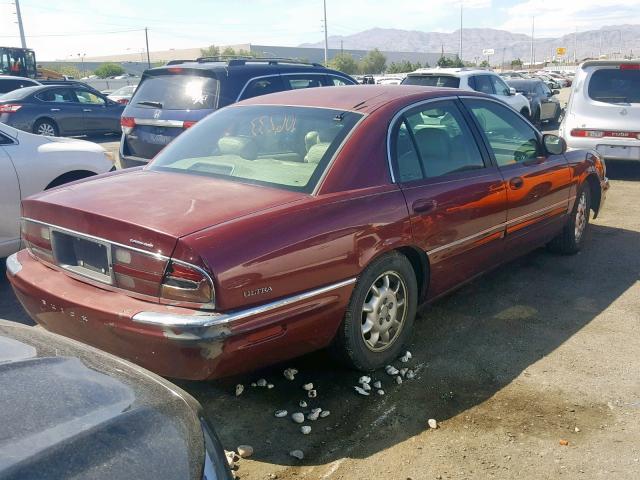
{"x":13,"y":265}
{"x":210,"y":320}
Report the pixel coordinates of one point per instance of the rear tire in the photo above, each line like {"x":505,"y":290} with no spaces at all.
{"x":379,"y":318}
{"x":46,"y":128}
{"x":572,"y":237}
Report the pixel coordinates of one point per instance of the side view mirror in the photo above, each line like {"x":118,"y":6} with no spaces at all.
{"x":556,"y":92}
{"x":553,"y":144}
{"x":512,"y":91}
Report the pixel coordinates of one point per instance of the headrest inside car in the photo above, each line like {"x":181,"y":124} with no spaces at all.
{"x":244,"y":147}
{"x":316,"y":152}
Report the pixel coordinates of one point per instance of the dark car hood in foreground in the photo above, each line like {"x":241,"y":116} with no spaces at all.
{"x":71,"y":411}
{"x":151,"y":207}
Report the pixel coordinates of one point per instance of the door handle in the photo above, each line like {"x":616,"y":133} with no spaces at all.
{"x":424,"y":206}
{"x":516,"y":182}
{"x":86,"y":110}
{"x":55,"y":109}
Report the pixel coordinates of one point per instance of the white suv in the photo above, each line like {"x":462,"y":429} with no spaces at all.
{"x":470,"y":79}
{"x":603,"y":112}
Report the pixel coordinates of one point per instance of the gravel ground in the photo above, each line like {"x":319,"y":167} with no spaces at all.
{"x":542,"y":350}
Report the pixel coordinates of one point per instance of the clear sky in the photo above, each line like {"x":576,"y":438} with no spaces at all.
{"x":64,"y":28}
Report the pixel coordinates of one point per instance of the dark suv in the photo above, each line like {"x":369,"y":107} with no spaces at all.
{"x":172,"y":98}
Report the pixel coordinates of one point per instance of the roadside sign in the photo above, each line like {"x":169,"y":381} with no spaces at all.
{"x":560,"y":51}
{"x":488,"y":51}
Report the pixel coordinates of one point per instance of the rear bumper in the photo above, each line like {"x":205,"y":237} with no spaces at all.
{"x":177,"y":342}
{"x":609,"y":148}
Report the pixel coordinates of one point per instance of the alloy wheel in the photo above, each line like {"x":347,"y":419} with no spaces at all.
{"x":46,"y":129}
{"x":384,"y":311}
{"x":581,"y":217}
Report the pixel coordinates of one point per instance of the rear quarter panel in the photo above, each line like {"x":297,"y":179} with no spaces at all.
{"x":318,"y":242}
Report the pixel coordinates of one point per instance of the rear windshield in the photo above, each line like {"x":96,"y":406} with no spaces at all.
{"x":612,"y":85}
{"x":279,"y":146}
{"x":432,"y":81}
{"x":177,"y":92}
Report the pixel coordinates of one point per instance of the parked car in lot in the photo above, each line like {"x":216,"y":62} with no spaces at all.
{"x":33,"y":163}
{"x":172,"y":98}
{"x":551,"y":82}
{"x":72,"y":411}
{"x":123,"y":94}
{"x":298,"y":220}
{"x":545,"y":107}
{"x":60,"y":110}
{"x":483,"y":81}
{"x":10,"y":83}
{"x":603,"y":112}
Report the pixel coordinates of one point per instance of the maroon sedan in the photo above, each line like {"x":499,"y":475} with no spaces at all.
{"x":299,"y":220}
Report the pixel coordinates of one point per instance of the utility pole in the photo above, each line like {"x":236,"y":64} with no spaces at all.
{"x":341,"y":47}
{"x":326,"y":38}
{"x":20,"y":27}
{"x":460,"y":48}
{"x":575,"y":47}
{"x":146,"y":38}
{"x":533,"y":58}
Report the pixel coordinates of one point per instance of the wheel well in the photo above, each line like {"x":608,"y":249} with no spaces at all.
{"x":594,"y":189}
{"x":49,"y":119}
{"x":420,"y":264}
{"x":69,"y":177}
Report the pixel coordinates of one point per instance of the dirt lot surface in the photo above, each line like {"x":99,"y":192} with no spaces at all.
{"x":542,"y":350}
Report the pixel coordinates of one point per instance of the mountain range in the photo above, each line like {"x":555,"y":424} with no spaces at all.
{"x":615,"y":41}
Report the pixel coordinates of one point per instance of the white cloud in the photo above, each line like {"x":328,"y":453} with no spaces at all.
{"x":555,"y":18}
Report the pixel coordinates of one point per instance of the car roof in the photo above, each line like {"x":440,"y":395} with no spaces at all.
{"x":15,"y":77}
{"x":250,"y":66}
{"x":454,"y":72}
{"x":608,"y":63}
{"x":358,"y":98}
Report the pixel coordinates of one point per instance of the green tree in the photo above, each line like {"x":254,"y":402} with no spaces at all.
{"x":517,"y":63}
{"x":109,"y":70}
{"x":484,"y":64}
{"x":229,"y":51}
{"x":210,"y":51}
{"x":345,"y":63}
{"x":373,"y":62}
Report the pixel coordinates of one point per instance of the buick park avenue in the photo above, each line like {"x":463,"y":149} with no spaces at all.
{"x":300,"y":220}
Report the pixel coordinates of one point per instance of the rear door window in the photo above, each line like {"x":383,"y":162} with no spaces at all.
{"x":263,"y":86}
{"x":57,"y":95}
{"x":295,"y":82}
{"x":432,"y":81}
{"x":613,"y":85}
{"x":499,"y":86}
{"x":483,"y":84}
{"x":177,"y":92}
{"x":434,"y":141}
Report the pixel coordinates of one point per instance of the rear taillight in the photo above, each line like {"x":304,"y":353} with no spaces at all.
{"x":188,"y":124}
{"x":9,"y":108}
{"x":586,"y":133}
{"x":127,"y":124}
{"x":186,"y":283}
{"x":137,"y":271}
{"x":123,"y":101}
{"x":630,"y":66}
{"x":37,"y":239}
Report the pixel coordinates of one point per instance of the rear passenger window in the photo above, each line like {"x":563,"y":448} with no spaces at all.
{"x":338,"y":82}
{"x":440,"y":141}
{"x":57,"y":95}
{"x":483,"y":84}
{"x":295,"y":82}
{"x":510,"y":137}
{"x":263,"y":86}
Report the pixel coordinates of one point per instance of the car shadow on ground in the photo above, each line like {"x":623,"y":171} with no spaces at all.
{"x":466,"y":348}
{"x":10,"y":309}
